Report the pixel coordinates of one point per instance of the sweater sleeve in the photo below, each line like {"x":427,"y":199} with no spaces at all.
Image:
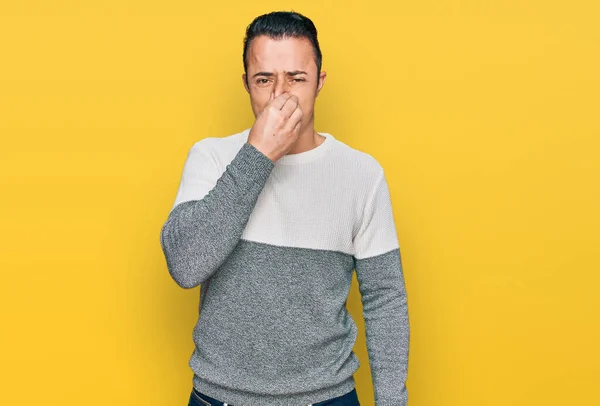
{"x":379,"y":273}
{"x":210,"y":212}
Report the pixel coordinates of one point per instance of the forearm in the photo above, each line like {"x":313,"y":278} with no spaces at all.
{"x":385,"y":311}
{"x":199,"y":235}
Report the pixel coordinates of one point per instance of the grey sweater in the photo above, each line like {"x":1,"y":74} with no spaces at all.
{"x":273,"y":246}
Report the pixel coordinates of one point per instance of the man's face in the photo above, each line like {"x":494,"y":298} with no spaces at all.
{"x":286,"y":65}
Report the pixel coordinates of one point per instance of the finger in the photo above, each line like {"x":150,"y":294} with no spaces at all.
{"x":294,"y":119}
{"x":279,"y":101}
{"x":289,"y":106}
{"x":297,"y":128}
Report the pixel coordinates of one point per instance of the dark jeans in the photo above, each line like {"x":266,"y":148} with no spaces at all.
{"x":349,"y":399}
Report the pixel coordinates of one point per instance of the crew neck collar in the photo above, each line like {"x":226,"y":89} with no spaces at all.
{"x":306,"y":156}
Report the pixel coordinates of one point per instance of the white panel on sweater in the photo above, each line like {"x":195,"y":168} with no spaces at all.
{"x":333,"y":197}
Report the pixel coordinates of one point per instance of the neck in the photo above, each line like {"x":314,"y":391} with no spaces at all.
{"x":307,"y":139}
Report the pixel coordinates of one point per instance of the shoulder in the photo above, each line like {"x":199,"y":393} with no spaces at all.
{"x":221,"y":150}
{"x":219,"y":145}
{"x":358,"y":164}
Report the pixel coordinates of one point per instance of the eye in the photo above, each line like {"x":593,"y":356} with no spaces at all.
{"x":262,"y":81}
{"x":299,"y":80}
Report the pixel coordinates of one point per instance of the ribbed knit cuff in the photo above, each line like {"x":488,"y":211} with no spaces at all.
{"x":253,"y":163}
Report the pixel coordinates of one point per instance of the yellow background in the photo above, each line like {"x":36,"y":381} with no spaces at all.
{"x":484,"y":114}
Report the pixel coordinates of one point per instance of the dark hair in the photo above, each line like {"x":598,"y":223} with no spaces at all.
{"x":283,"y":24}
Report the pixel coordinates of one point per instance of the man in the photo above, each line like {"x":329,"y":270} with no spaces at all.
{"x":271,"y":222}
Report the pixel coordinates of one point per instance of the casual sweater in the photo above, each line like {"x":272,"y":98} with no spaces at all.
{"x":273,"y":246}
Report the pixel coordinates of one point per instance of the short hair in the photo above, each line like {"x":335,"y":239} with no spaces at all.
{"x":283,"y":24}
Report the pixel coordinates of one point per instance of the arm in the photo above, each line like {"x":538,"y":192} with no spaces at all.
{"x":385,"y":310}
{"x":211,"y":211}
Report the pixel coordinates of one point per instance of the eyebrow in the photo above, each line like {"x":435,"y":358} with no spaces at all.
{"x":292,"y":73}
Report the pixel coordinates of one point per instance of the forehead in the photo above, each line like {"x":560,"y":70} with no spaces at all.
{"x":288,"y":54}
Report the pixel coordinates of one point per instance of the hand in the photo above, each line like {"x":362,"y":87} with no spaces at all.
{"x":277,"y":127}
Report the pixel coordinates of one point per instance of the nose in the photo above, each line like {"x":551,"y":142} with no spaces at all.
{"x":280,"y":86}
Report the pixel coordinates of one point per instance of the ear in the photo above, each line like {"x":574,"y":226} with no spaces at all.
{"x":322,"y":77}
{"x":245,"y":84}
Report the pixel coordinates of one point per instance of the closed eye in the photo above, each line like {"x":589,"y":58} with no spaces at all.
{"x":263,"y":80}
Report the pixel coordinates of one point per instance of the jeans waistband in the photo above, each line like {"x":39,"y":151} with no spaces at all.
{"x":349,"y":399}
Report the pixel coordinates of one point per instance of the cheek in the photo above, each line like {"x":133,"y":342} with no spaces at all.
{"x":259,"y":101}
{"x":307,"y":107}
{"x":307,"y":99}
